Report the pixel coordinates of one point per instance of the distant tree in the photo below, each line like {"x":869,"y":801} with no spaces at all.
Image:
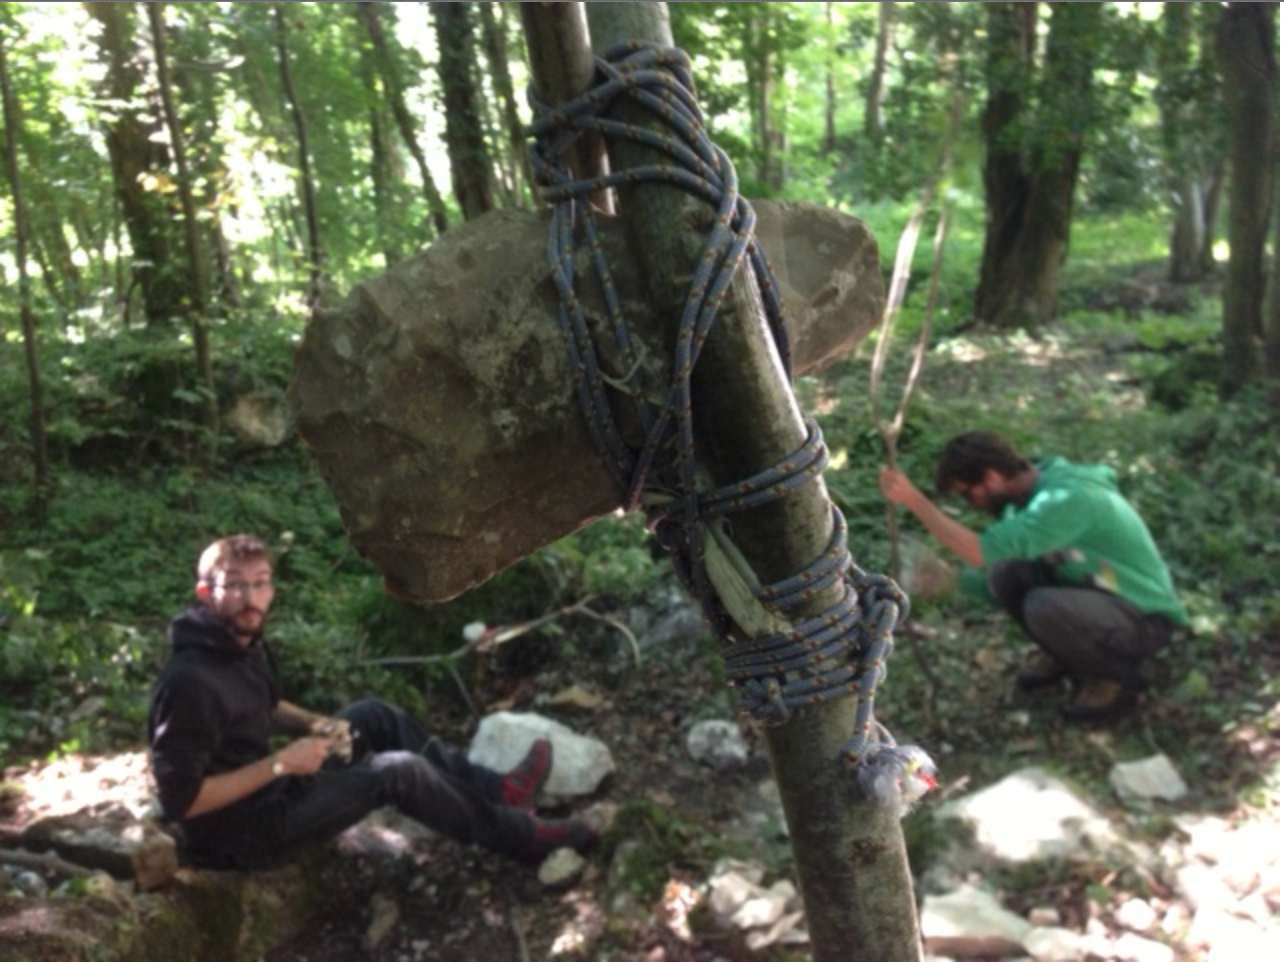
{"x":471,"y":172}
{"x":1037,"y":114}
{"x":373,"y":17}
{"x":1246,"y":46}
{"x":307,"y":183}
{"x":876,"y":84}
{"x":13,"y":168}
{"x":140,"y":163}
{"x":1191,"y":134}
{"x":197,"y":301}
{"x":520,"y":182}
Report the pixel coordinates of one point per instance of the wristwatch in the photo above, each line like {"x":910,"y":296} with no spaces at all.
{"x":278,"y":769}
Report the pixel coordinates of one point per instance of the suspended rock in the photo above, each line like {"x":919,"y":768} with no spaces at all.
{"x":442,"y":412}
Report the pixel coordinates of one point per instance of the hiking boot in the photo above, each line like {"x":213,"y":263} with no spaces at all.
{"x":1100,"y":701}
{"x":1040,"y":671}
{"x":520,"y":787}
{"x":549,"y":836}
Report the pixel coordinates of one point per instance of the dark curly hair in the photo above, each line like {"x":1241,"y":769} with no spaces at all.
{"x":966,"y":458}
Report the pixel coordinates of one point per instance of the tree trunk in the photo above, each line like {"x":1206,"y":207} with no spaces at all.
{"x":136,"y":155}
{"x":470,"y":163}
{"x":1246,"y":45}
{"x":370,"y":15}
{"x":877,"y":87}
{"x":307,"y":183}
{"x":13,"y":136}
{"x":848,"y":850}
{"x":1029,"y":187}
{"x":198,"y":301}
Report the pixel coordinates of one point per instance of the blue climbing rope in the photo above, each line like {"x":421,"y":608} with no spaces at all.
{"x":844,"y":649}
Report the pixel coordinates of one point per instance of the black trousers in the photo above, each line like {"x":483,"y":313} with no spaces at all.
{"x":395,"y":762}
{"x":1093,"y":633}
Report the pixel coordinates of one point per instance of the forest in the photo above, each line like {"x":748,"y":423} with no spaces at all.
{"x":1076,"y":213}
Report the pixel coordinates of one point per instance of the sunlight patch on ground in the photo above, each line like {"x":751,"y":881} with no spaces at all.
{"x":76,"y":782}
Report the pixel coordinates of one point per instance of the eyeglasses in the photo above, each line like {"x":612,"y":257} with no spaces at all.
{"x":243,"y":587}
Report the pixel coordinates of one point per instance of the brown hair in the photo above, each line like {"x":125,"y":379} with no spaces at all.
{"x":236,"y":547}
{"x":966,"y":458}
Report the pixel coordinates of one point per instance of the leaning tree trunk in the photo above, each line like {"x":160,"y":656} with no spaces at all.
{"x":1246,"y":45}
{"x":307,"y":183}
{"x":39,"y":438}
{"x":470,"y":165}
{"x":198,"y":298}
{"x":849,"y":852}
{"x":1029,"y":187}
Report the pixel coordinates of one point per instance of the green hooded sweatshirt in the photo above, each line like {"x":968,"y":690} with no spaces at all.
{"x":1078,"y":508}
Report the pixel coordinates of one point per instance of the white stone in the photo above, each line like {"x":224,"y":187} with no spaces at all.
{"x":562,"y":867}
{"x":1029,"y":816}
{"x":1154,"y":777}
{"x":1133,"y":948}
{"x":1044,"y":917}
{"x":1136,"y":914}
{"x":718,"y":744}
{"x":579,"y":763}
{"x":970,"y":913}
{"x":1052,"y":944}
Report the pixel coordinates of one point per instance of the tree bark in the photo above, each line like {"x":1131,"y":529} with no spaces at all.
{"x":1030,"y":182}
{"x":849,"y":852}
{"x":136,"y":156}
{"x":307,"y":183}
{"x":470,"y":163}
{"x":21,"y":229}
{"x":198,"y":301}
{"x":1246,"y":45}
{"x":831,"y":107}
{"x":370,"y":14}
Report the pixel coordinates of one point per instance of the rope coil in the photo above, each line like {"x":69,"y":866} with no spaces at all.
{"x":805,"y":658}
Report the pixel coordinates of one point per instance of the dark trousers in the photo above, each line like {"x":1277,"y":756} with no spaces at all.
{"x":1093,"y":633}
{"x":395,"y":762}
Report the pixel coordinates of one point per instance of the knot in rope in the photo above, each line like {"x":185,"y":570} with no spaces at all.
{"x":793,"y":657}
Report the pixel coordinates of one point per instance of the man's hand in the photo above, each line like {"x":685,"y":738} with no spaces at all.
{"x":338,"y":732}
{"x":304,"y":756}
{"x":896,"y":487}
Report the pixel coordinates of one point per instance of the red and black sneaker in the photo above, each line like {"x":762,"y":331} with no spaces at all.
{"x":549,"y":836}
{"x":520,"y":787}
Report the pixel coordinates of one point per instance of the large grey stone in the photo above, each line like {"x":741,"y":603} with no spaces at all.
{"x":441,"y":407}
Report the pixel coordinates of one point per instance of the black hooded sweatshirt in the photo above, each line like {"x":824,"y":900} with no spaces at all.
{"x":211,"y":712}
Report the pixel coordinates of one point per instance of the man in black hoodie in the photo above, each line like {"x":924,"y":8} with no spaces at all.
{"x":216,"y":704}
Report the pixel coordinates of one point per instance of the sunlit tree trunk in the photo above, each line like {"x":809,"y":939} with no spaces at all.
{"x":1246,"y":49}
{"x":198,"y":302}
{"x":831,"y":132}
{"x":307,"y":183}
{"x":761,"y":69}
{"x":372,"y":16}
{"x":1030,"y":180}
{"x":137,"y":156}
{"x":21,"y":230}
{"x":470,"y":163}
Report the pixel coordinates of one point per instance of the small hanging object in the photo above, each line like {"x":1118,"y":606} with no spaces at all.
{"x":897,"y":776}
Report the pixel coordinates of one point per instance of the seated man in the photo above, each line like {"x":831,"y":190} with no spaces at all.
{"x":1069,"y":559}
{"x":241,"y":805}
